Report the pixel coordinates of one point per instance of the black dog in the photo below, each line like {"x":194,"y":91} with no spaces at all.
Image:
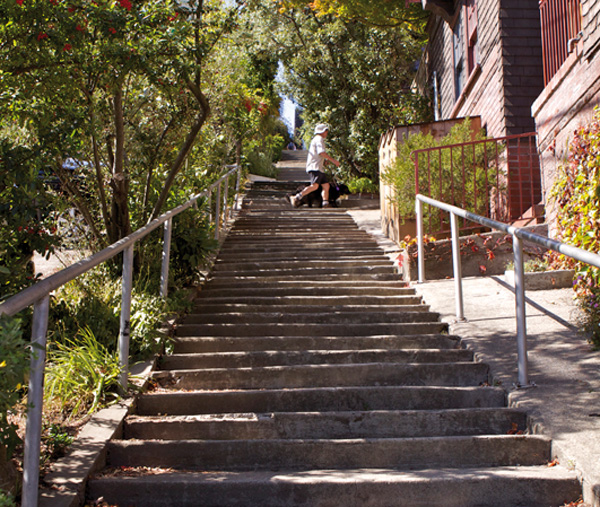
{"x":314,"y":199}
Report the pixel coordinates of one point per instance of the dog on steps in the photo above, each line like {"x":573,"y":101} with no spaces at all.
{"x":337,"y":191}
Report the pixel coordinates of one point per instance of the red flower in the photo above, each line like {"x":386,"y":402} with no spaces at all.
{"x":112,"y":30}
{"x":78,"y":28}
{"x":126,"y":4}
{"x":19,"y":2}
{"x":482,"y":269}
{"x":67,"y":47}
{"x":71,"y":9}
{"x":42,"y":36}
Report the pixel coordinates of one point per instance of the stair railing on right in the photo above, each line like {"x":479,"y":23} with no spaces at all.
{"x":519,"y":235}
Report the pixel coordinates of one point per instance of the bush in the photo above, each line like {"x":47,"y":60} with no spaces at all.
{"x":23,"y":213}
{"x":446,"y":184}
{"x":14,"y":363}
{"x":363,"y":185}
{"x":81,"y":375}
{"x":576,"y":193}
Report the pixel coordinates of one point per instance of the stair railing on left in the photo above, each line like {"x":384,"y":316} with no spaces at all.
{"x":518,"y":235}
{"x":38,"y":295}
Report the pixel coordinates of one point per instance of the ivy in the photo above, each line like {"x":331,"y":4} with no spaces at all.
{"x":576,"y":193}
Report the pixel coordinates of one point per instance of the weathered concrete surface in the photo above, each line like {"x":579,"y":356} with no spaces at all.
{"x":565,"y":404}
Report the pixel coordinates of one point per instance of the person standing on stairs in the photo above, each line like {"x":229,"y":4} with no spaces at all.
{"x":317,"y":155}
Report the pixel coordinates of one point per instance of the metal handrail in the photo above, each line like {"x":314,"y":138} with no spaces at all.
{"x":519,"y":235}
{"x":38,"y":295}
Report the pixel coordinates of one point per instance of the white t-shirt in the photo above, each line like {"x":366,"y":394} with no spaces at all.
{"x":315,"y":160}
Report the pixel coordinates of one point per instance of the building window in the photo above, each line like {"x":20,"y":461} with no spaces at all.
{"x":471,"y":16}
{"x":561,"y":29}
{"x":459,"y":56}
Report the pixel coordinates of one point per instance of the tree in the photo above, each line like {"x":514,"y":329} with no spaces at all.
{"x":118,"y":85}
{"x":383,"y":13}
{"x":355,"y":76}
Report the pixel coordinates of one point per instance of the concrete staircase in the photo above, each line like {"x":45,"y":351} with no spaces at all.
{"x":308,"y":374}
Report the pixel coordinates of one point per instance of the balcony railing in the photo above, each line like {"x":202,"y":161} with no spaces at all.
{"x":561,"y":24}
{"x":497,"y":178}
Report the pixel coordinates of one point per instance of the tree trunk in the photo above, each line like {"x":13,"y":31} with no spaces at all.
{"x":120,"y":225}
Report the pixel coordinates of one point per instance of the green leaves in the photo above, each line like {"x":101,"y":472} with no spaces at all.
{"x":14,"y":363}
{"x":347,"y":73}
{"x":576,"y":192}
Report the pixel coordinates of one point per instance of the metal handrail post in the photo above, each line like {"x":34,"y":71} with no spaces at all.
{"x":225,"y":203}
{"x":33,"y":433}
{"x":420,"y":249}
{"x":523,"y":375}
{"x":209,"y":201}
{"x":166,"y":256}
{"x":238,"y":178}
{"x":218,"y":211}
{"x":456,"y":264}
{"x":127,"y":287}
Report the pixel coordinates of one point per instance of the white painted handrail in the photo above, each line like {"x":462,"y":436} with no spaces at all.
{"x":38,"y":296}
{"x":519,"y":235}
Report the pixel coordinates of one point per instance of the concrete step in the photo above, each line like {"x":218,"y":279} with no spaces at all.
{"x":327,"y":425}
{"x":331,"y":270}
{"x":291,"y":329}
{"x":340,"y":254}
{"x":205,"y":307}
{"x":289,"y":358}
{"x":319,"y":399}
{"x":327,"y":375}
{"x":327,"y":290}
{"x":340,"y":454}
{"x":222,"y":283}
{"x":351,"y":265}
{"x":320,"y":300}
{"x":198,"y":344}
{"x":305,"y":278}
{"x":539,"y":486}
{"x":267,"y":317}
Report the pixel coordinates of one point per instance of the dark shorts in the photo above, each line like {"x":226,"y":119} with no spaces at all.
{"x":317,"y":177}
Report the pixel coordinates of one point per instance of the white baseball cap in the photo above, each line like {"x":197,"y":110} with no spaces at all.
{"x":321,"y":127}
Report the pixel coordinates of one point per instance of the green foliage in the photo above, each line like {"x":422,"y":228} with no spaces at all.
{"x":363,"y":185}
{"x":443,"y":185}
{"x":24,"y":228}
{"x":14,"y":363}
{"x":353,"y":76}
{"x":576,"y":193}
{"x":7,"y":500}
{"x":538,"y":265}
{"x":91,"y":301}
{"x":55,"y":440}
{"x":81,"y":375}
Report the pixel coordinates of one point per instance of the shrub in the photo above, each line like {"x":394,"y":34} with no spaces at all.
{"x":454,"y":186}
{"x":576,"y":193}
{"x":81,"y":375}
{"x":23,"y":214}
{"x":14,"y":362}
{"x":363,"y":185}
